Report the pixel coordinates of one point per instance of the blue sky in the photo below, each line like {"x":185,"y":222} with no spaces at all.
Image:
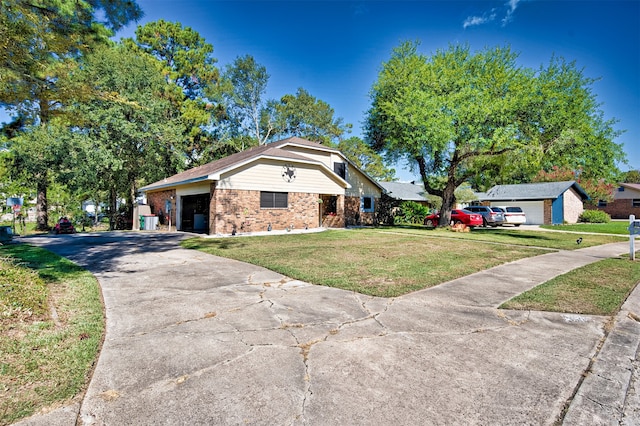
{"x":334,"y":49}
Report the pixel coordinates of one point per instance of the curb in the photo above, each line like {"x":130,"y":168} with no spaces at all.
{"x":612,"y":382}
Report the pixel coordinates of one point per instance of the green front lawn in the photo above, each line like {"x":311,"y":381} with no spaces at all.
{"x":597,"y":289}
{"x":619,"y":227}
{"x":51,"y":328}
{"x":387,"y":262}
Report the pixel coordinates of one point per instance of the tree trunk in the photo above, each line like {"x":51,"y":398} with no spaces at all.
{"x":113,"y":210}
{"x":42,"y":214}
{"x":448,"y":203}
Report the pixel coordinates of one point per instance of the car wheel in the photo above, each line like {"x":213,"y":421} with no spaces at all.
{"x":517,"y":224}
{"x":484,"y":222}
{"x":429,"y":222}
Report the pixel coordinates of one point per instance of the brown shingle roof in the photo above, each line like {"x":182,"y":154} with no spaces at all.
{"x":270,"y":150}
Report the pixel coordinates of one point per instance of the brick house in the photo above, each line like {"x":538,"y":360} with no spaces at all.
{"x":544,"y":203}
{"x":626,"y":202}
{"x":289,"y":183}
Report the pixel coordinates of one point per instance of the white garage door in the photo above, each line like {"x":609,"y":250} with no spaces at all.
{"x":534,"y":210}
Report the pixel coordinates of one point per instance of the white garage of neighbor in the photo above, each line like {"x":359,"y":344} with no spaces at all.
{"x":543,"y":203}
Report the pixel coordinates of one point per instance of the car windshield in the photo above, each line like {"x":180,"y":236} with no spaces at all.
{"x":496,"y":209}
{"x":514,"y":209}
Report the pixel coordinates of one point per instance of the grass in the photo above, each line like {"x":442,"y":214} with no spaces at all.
{"x":46,"y":354}
{"x":597,"y":289}
{"x":619,"y":227}
{"x":515,"y":236}
{"x":51,"y":328}
{"x":30,"y":227}
{"x":390,"y":262}
{"x":367,"y":261}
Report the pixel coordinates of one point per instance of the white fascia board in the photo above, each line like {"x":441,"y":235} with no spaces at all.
{"x":172,"y":184}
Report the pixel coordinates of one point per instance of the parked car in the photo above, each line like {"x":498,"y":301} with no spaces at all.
{"x":457,"y":216}
{"x":513,"y":215}
{"x":64,"y":226}
{"x":489,"y":216}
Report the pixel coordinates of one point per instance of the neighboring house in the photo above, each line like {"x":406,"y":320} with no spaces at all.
{"x":626,"y":202}
{"x":290,"y":183}
{"x":543,"y":203}
{"x":406,"y":191}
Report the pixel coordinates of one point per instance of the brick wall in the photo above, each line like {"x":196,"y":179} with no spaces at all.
{"x":240,"y":210}
{"x":352,"y":211}
{"x":573,"y":206}
{"x":156,"y":200}
{"x":353,"y":215}
{"x":619,"y":209}
{"x":547,"y":211}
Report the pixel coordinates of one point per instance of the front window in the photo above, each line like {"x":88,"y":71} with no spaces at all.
{"x":274,"y":200}
{"x":635,"y":202}
{"x":367,"y":204}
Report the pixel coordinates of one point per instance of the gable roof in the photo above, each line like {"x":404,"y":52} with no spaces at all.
{"x":633,"y":186}
{"x":532,"y":191}
{"x":407,"y":191}
{"x":213,"y":170}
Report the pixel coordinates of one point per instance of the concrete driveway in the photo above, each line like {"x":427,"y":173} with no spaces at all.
{"x":200,"y":340}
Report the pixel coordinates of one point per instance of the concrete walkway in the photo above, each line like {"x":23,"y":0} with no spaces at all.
{"x":194,"y":339}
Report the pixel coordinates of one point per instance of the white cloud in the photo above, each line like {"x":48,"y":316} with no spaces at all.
{"x":508,"y":9}
{"x":512,"y":6}
{"x":478,"y":20}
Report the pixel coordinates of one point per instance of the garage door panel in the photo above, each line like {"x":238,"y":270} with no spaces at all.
{"x":534,"y":210}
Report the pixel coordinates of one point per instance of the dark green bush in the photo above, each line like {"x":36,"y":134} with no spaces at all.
{"x":411,"y":212}
{"x":594,"y":216}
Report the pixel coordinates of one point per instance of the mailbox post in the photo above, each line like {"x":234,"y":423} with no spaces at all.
{"x":634,"y":229}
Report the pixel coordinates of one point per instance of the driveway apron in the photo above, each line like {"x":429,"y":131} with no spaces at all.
{"x":197,"y":339}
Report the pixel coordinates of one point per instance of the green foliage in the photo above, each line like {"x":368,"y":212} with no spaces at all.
{"x":187,"y":63}
{"x":596,"y":189}
{"x":187,"y":57}
{"x":39,"y":48}
{"x":305,"y":116}
{"x":594,"y":216}
{"x":128,"y":133}
{"x":478,"y":117}
{"x":361,"y":154}
{"x":247,"y":83}
{"x":411,"y":212}
{"x":632,"y":176}
{"x":37,"y":153}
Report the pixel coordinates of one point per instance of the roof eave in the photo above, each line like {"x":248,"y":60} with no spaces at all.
{"x":172,"y":184}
